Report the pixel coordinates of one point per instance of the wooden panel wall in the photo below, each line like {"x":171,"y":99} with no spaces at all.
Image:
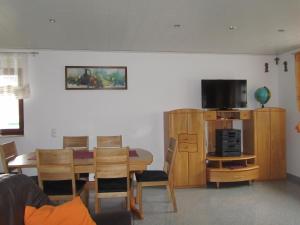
{"x":297,"y":74}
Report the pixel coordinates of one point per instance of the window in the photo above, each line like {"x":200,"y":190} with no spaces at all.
{"x":14,"y":87}
{"x":12,"y":111}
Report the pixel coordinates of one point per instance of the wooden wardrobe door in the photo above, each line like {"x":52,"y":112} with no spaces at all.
{"x":178,"y":124}
{"x":262,"y":142}
{"x":197,"y":167}
{"x":277,"y":157}
{"x":181,"y":169}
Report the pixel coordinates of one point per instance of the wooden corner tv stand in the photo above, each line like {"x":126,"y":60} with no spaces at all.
{"x":263,"y":135}
{"x":231,"y":169}
{"x":234,"y":168}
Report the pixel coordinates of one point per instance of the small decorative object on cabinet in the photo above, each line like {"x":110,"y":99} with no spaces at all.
{"x":187,"y":125}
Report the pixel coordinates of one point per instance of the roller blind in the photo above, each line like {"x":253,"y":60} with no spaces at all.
{"x":14,"y":75}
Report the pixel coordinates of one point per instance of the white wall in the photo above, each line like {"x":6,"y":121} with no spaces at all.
{"x":157,"y":82}
{"x":287,"y":99}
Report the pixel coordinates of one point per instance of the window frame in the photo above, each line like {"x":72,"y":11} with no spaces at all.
{"x":20,"y":130}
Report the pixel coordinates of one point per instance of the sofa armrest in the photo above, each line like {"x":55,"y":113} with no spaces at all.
{"x":17,"y":191}
{"x":113,"y":218}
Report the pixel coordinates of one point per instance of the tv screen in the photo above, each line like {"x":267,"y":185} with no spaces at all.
{"x":224,"y":94}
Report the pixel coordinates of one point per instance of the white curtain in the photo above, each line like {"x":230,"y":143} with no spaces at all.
{"x":14,"y":75}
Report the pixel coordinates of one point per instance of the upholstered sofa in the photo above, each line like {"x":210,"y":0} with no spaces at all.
{"x":17,"y":191}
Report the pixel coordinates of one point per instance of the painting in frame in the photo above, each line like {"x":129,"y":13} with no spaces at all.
{"x":96,"y":77}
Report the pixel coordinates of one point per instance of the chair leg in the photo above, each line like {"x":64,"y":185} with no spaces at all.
{"x":136,"y":194}
{"x":173,"y":198}
{"x":140,"y":199}
{"x":83,"y":198}
{"x":86,"y":192}
{"x":128,"y":202}
{"x":130,"y":191}
{"x":169,"y":193}
{"x":97,"y":205}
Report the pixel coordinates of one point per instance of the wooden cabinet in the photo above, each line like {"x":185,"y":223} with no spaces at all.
{"x":263,"y":140}
{"x":269,"y":142}
{"x":187,"y":126}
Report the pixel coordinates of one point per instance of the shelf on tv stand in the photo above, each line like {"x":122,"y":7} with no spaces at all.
{"x":228,"y":114}
{"x":223,"y":169}
{"x":229,"y":169}
{"x":218,"y":172}
{"x":229,"y":158}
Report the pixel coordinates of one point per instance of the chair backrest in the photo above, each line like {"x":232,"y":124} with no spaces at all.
{"x":170,"y":156}
{"x":111,"y":163}
{"x":109,"y":141}
{"x":8,"y":152}
{"x":76,"y":142}
{"x":55,"y":165}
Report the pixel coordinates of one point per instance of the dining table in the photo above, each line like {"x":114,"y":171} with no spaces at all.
{"x":139,"y":159}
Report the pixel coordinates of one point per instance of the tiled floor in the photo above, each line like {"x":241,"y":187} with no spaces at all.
{"x":263,"y":203}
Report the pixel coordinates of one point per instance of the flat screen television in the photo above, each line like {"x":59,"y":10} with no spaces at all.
{"x":224,"y":94}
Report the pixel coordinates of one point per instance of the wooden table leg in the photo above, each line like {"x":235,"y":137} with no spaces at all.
{"x":133,"y":208}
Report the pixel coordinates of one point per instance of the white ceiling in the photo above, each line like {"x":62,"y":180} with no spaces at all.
{"x":148,"y":25}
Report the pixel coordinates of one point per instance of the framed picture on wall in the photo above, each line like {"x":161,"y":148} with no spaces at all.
{"x":96,"y":78}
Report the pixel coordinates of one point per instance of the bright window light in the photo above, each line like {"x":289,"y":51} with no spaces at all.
{"x":9,"y":114}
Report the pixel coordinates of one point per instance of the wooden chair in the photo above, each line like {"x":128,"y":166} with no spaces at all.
{"x":150,"y":178}
{"x":8,"y":152}
{"x":109,"y":141}
{"x":111,"y":174}
{"x":56,"y":175}
{"x":76,"y":142}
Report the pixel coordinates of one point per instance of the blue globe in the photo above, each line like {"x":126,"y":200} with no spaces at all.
{"x":262,"y":95}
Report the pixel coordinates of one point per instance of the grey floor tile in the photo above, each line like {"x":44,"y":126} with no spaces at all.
{"x":263,"y":203}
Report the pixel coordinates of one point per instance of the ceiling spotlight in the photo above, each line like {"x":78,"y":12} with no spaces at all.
{"x":177,"y":25}
{"x":52,"y":20}
{"x":281,"y":30}
{"x":232,"y":27}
